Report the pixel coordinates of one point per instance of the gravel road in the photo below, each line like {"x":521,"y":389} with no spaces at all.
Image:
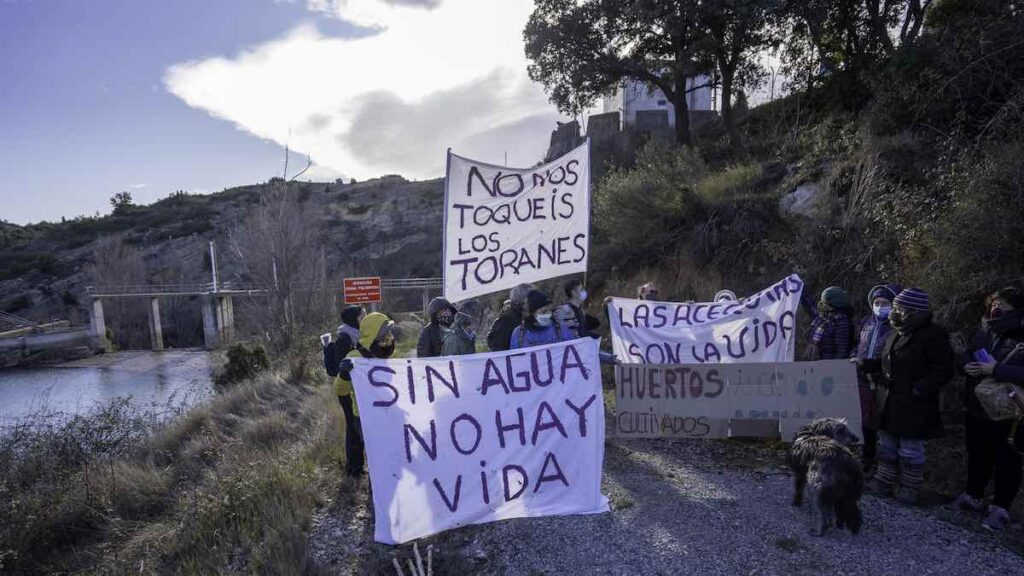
{"x":682,"y":507}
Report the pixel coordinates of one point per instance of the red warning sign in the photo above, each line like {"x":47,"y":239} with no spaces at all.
{"x":362,"y":290}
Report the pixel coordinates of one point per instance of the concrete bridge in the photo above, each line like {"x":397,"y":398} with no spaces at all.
{"x":218,"y":305}
{"x":218,"y":309}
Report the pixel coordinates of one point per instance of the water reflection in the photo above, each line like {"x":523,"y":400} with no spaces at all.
{"x":150,"y":379}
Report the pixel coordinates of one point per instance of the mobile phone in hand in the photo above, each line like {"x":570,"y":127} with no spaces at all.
{"x":982,"y":355}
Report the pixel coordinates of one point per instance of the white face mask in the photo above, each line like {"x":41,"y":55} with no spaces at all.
{"x":882,"y":311}
{"x":543,"y":319}
{"x":583,"y":295}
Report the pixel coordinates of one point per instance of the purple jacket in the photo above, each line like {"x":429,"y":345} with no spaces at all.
{"x":872,"y":334}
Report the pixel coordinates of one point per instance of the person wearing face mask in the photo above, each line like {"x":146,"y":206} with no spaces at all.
{"x":831,"y":328}
{"x":915,"y":363}
{"x":376,"y":340}
{"x":572,"y":313}
{"x":442,"y":314}
{"x":873,"y":331}
{"x":539,"y":326}
{"x":461,"y":339}
{"x":991,"y":453}
{"x":648,"y":291}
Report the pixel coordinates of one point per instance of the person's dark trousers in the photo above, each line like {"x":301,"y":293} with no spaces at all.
{"x":870,"y":448}
{"x":353,"y":439}
{"x":990,"y":454}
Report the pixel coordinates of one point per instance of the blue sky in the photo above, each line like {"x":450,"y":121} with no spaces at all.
{"x":153,"y":96}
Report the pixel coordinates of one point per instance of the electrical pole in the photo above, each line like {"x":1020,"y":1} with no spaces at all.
{"x":213,"y":265}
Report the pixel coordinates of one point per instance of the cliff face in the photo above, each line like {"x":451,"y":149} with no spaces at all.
{"x":386,"y":226}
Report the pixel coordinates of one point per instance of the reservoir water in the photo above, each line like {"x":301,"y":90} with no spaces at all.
{"x":151,"y":380}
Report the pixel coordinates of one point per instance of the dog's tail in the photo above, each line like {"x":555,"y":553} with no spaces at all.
{"x":848,"y":514}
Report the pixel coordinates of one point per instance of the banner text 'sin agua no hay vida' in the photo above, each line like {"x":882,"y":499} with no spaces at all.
{"x":484,"y":437}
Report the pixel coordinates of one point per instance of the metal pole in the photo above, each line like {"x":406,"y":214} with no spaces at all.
{"x":213,"y":265}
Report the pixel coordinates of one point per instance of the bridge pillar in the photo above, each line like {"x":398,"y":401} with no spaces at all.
{"x":209,"y":323}
{"x":226,"y":319}
{"x":156,"y":333}
{"x":97,"y":325}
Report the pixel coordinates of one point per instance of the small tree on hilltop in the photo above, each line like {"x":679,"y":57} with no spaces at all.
{"x":122,"y":202}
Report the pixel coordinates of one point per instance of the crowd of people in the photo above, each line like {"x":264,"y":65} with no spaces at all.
{"x":903,"y":358}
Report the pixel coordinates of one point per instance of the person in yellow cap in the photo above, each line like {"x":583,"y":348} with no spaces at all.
{"x":376,"y":340}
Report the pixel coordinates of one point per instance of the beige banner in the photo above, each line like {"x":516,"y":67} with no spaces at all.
{"x":723,"y":400}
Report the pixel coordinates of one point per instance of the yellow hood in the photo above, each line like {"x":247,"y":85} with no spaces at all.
{"x":370,"y":328}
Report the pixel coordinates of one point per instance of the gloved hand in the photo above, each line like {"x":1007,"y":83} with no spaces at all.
{"x":346,"y":365}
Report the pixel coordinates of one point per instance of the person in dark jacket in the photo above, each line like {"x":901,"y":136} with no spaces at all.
{"x":915,"y":363}
{"x":346,"y":339}
{"x":874,"y":329}
{"x":539,"y":327}
{"x":461,"y":339}
{"x":572,"y":314}
{"x":831,"y":328}
{"x":989,"y":449}
{"x":431,"y":341}
{"x":499,"y":337}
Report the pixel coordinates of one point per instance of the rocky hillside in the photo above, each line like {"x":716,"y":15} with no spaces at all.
{"x":387,"y":225}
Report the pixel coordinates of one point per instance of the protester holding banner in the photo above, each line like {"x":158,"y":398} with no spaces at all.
{"x":442,"y":313}
{"x":831,"y":333}
{"x":996,"y":351}
{"x":874,"y":330}
{"x":916,"y":362}
{"x":461,"y":339}
{"x":539,"y":326}
{"x":499,"y":337}
{"x":376,"y":340}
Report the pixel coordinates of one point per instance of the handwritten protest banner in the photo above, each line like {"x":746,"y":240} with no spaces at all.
{"x":507,"y":226}
{"x":705,"y":401}
{"x":474,"y":439}
{"x":760,"y":328}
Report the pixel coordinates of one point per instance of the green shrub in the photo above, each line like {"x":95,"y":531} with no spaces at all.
{"x":736,"y":180}
{"x":245,"y":361}
{"x":644,"y":212}
{"x":974,"y":244}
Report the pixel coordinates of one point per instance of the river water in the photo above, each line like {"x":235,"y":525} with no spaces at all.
{"x":151,"y":380}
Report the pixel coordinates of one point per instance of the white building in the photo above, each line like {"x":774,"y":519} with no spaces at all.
{"x":634,"y":96}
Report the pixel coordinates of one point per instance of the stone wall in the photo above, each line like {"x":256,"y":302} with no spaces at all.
{"x":611,"y":144}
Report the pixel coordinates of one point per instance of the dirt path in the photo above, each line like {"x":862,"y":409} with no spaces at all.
{"x":683,"y":507}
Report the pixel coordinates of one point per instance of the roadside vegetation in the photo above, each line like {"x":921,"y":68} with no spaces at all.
{"x":230,"y":484}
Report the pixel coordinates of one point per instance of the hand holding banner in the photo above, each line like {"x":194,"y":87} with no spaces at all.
{"x":474,"y":439}
{"x":508,"y":226}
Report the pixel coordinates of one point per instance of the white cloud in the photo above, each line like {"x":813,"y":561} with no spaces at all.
{"x":138,"y":186}
{"x":452,"y":75}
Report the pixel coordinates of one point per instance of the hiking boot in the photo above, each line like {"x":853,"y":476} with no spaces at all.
{"x":998,"y":519}
{"x":967,"y":503}
{"x":882,"y":482}
{"x":911,"y":477}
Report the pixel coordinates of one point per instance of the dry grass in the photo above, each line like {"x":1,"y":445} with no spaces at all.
{"x":735,"y":181}
{"x":230,"y":486}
